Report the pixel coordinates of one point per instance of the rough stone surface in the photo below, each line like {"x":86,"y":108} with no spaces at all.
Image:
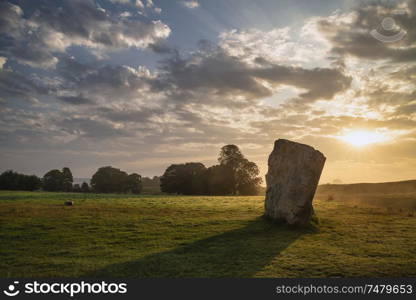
{"x":292,"y":178}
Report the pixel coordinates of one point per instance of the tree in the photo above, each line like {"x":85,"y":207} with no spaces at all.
{"x":112,"y":180}
{"x":53,"y":181}
{"x":230,"y":156}
{"x":195,"y":183}
{"x":248,"y":182}
{"x":108,"y":180}
{"x":68,"y":179}
{"x":85,"y":188}
{"x":29,"y":182}
{"x":185,"y":179}
{"x":219,"y":180}
{"x":134,"y":184}
{"x":171,"y":180}
{"x":234,"y":175}
{"x":10,"y":180}
{"x":244,"y":173}
{"x":76,"y":188}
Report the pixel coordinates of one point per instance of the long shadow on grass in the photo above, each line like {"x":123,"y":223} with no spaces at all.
{"x":237,"y":253}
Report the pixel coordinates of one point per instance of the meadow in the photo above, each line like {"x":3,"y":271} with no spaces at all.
{"x":199,"y":236}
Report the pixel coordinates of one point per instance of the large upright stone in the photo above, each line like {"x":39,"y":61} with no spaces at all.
{"x":294,"y":172}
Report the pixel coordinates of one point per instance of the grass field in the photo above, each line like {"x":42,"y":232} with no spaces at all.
{"x":174,"y":236}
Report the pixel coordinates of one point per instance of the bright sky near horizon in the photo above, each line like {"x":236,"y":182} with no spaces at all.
{"x":142,"y":84}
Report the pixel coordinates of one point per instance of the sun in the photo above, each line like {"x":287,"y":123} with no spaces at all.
{"x":361,"y":138}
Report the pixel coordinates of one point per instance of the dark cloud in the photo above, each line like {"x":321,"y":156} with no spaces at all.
{"x":309,"y":79}
{"x":128,"y":115}
{"x":75,"y":100}
{"x":215,"y":72}
{"x":218,"y":73}
{"x":91,"y":128}
{"x":406,"y":74}
{"x":77,"y":83}
{"x":102,"y":83}
{"x":15,"y":85}
{"x":18,"y":40}
{"x":408,"y":109}
{"x":384,"y":95}
{"x":162,"y":48}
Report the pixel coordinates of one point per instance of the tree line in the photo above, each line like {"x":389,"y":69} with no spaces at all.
{"x":10,"y":180}
{"x":105,"y":180}
{"x":233,"y":175}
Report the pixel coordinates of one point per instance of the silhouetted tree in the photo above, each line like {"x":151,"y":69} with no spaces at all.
{"x":68,"y":179}
{"x":186,"y":179}
{"x":76,"y":188}
{"x":219,"y":180}
{"x":195,"y":172}
{"x":248,"y":182}
{"x":230,"y":156}
{"x":29,"y":182}
{"x":171,"y":180}
{"x":134,"y":184}
{"x":244,"y":173}
{"x":53,"y":181}
{"x":108,"y":180}
{"x":112,"y":180}
{"x":234,"y":175}
{"x":85,"y":188}
{"x":10,"y":180}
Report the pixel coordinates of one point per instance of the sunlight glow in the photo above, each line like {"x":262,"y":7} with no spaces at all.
{"x":362,"y":138}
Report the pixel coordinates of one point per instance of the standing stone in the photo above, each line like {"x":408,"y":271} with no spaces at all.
{"x":294,"y":172}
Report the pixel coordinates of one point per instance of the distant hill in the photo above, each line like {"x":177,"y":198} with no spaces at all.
{"x":408,"y":186}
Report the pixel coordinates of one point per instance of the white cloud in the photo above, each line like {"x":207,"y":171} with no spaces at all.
{"x":279,"y":45}
{"x":3,"y":60}
{"x":190,"y":4}
{"x":124,"y":2}
{"x":139,"y":4}
{"x":149,"y":3}
{"x":125,"y":14}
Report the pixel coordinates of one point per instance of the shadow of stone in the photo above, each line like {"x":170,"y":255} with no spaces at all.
{"x":238,"y":253}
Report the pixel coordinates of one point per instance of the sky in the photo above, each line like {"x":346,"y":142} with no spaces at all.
{"x":142,"y":84}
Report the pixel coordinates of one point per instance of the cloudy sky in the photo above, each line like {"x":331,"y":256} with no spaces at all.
{"x":141,"y":84}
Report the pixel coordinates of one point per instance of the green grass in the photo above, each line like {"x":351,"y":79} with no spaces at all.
{"x":174,"y":236}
